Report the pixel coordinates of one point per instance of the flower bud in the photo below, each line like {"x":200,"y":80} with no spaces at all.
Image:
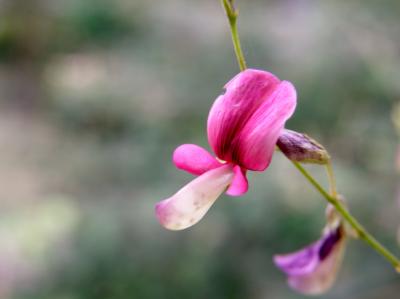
{"x":302,"y":148}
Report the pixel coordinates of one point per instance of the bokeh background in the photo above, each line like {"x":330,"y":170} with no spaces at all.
{"x":94,"y":97}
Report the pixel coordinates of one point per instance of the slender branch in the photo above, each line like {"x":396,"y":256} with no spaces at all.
{"x":363,"y":234}
{"x":331,"y":178}
{"x":232,"y":15}
{"x":361,"y":231}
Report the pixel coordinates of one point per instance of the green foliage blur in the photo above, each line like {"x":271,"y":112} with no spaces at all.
{"x":94,"y":97}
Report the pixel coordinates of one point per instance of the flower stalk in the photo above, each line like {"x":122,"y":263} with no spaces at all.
{"x":362,"y":233}
{"x":232,"y":15}
{"x":331,"y":179}
{"x":332,"y":197}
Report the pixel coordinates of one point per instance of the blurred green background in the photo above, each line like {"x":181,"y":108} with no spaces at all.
{"x":94,"y":97}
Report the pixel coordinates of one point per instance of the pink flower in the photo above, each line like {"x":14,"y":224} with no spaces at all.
{"x":243,"y":126}
{"x":313,"y":269}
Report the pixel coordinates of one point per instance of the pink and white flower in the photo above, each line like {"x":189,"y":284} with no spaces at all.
{"x":243,"y":127}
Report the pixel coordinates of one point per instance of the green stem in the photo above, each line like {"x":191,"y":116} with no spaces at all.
{"x":232,"y":15}
{"x":331,"y":178}
{"x":361,"y":231}
{"x":363,"y":234}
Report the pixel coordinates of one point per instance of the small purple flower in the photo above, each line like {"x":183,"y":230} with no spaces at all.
{"x":312,"y":270}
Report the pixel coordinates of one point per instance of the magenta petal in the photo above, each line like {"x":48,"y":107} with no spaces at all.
{"x":230,"y":112}
{"x":239,"y":185}
{"x":194,"y":159}
{"x":192,"y":202}
{"x":313,"y":270}
{"x":257,"y":140}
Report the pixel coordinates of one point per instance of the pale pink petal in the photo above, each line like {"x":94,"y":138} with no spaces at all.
{"x":194,"y":159}
{"x":231,"y":111}
{"x":191,"y":203}
{"x":313,"y":270}
{"x":239,"y":185}
{"x":255,"y":144}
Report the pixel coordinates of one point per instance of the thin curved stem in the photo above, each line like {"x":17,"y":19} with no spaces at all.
{"x":363,"y":234}
{"x":331,"y":178}
{"x":232,"y":15}
{"x":361,"y":231}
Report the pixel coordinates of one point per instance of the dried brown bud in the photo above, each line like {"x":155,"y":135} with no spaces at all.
{"x":302,"y":148}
